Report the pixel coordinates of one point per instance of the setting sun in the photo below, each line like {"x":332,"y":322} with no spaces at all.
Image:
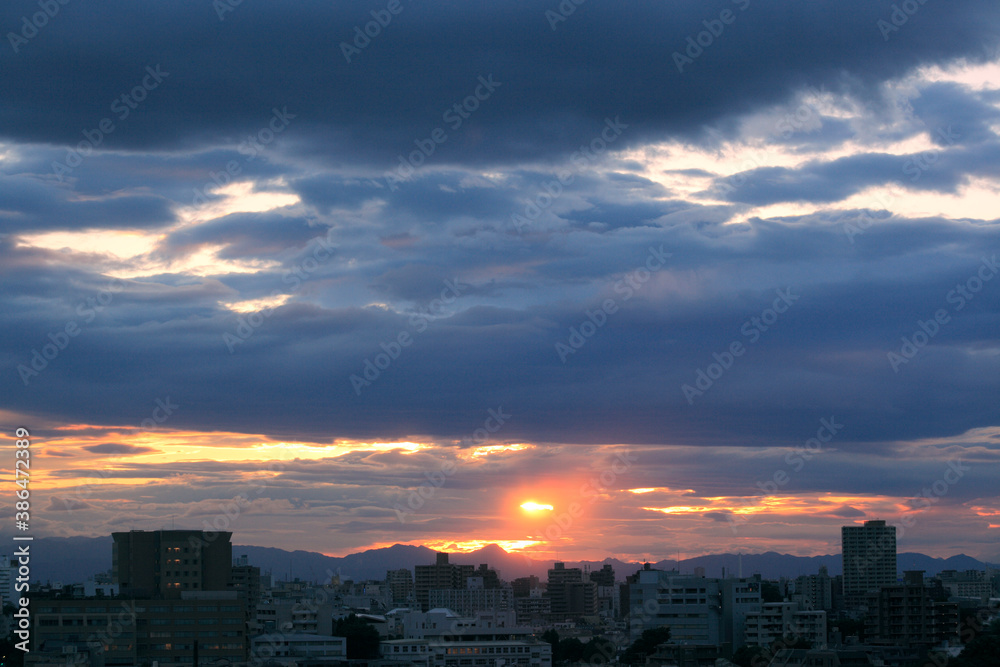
{"x":532,"y":506}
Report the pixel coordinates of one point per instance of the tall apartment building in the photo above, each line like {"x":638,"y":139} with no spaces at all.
{"x":904,"y":614}
{"x":442,"y":575}
{"x":869,"y":558}
{"x":400,"y":583}
{"x":814,"y":591}
{"x":569,"y":593}
{"x":245,"y":579}
{"x":177,"y":605}
{"x":163,"y":563}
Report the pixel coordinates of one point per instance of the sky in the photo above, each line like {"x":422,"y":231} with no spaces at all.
{"x":693,"y":277}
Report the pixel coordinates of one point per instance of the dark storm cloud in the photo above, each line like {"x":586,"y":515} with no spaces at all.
{"x":291,"y":375}
{"x":245,"y":235}
{"x":224,"y":77}
{"x":951,"y":110}
{"x":830,"y":181}
{"x":31,"y":205}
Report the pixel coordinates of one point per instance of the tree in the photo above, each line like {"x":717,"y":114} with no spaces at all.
{"x":769,"y":592}
{"x":982,"y":650}
{"x":362,"y":638}
{"x":598,"y":647}
{"x":747,"y":656}
{"x":645,"y":645}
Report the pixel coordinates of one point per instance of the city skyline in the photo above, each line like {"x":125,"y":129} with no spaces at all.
{"x":577,"y":279}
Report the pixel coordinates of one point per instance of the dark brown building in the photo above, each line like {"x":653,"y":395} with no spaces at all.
{"x":163,"y":563}
{"x":440,"y":576}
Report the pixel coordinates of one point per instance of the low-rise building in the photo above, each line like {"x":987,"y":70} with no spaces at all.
{"x":292,"y":648}
{"x":782,"y":620}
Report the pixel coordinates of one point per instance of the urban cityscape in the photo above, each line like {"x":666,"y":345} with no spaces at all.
{"x":180,"y":597}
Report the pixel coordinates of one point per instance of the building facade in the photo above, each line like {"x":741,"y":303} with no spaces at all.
{"x":163,"y":563}
{"x":786,"y":620}
{"x":869,"y":558}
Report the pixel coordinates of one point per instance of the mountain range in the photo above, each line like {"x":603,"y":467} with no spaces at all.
{"x":93,"y":555}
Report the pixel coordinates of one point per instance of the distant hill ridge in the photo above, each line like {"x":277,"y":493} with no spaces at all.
{"x":91,"y":555}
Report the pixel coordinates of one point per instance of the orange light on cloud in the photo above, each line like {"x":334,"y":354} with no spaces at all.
{"x":486,"y":450}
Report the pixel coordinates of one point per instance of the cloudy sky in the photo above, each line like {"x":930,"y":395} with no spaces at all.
{"x":702,"y":276}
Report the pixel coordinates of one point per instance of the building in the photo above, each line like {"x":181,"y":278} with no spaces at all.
{"x":292,"y":649}
{"x":523,"y":586}
{"x":163,"y":563}
{"x":440,"y":576}
{"x":536,"y":607}
{"x":814,"y":591}
{"x":967,"y":584}
{"x":8,"y":579}
{"x":780,"y":620}
{"x":245,"y":578}
{"x":441,"y":638}
{"x":570,"y":595}
{"x":823,"y":658}
{"x":169,"y":631}
{"x":470,"y":600}
{"x":710,"y":612}
{"x":869,"y":558}
{"x":400,"y":583}
{"x":904,"y":614}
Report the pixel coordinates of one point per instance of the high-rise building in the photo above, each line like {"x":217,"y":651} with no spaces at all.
{"x":814,"y":591}
{"x":246,"y":579}
{"x":440,"y":576}
{"x":570,"y":594}
{"x":869,"y":558}
{"x":163,"y":563}
{"x":400,"y":583}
